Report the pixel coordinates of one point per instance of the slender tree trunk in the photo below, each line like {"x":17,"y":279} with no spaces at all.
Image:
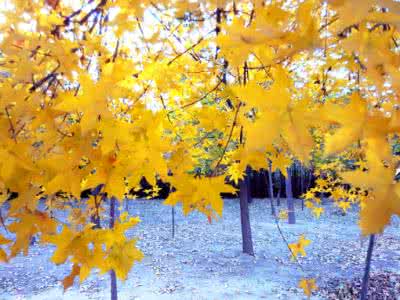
{"x":302,"y":186}
{"x":271,"y":191}
{"x":309,"y":174}
{"x":294,"y":179}
{"x":173,"y":221}
{"x":289,"y":197}
{"x":278,"y":199}
{"x":264,"y":184}
{"x":247,"y":241}
{"x":256,"y":185}
{"x":249,"y":185}
{"x":113,"y":277}
{"x":96,"y":221}
{"x":244,"y":184}
{"x":364,"y":286}
{"x":98,"y":198}
{"x":278,"y":177}
{"x":127,"y":205}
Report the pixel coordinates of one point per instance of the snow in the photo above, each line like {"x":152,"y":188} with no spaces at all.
{"x":204,"y":261}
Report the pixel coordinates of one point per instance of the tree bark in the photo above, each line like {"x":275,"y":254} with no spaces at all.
{"x":302,"y":186}
{"x":98,"y":198}
{"x":278,"y":177}
{"x":271,"y":191}
{"x":127,"y":204}
{"x":113,"y":277}
{"x":364,"y":286}
{"x":248,"y":183}
{"x":289,"y":197}
{"x":173,"y":221}
{"x":247,"y":242}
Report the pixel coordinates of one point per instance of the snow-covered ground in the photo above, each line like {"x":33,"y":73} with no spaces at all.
{"x":204,"y":261}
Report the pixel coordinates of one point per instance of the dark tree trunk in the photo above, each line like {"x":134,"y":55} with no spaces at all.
{"x":302,"y":186}
{"x":249,"y":185}
{"x":289,"y":197}
{"x":247,"y":241}
{"x":309,"y":178}
{"x":173,"y":221}
{"x":271,"y":191}
{"x":98,"y":198}
{"x":126,"y":205}
{"x":278,"y":199}
{"x":260,"y":185}
{"x":364,"y":286}
{"x":264,"y":179}
{"x":294,"y":180}
{"x":113,"y":277}
{"x":255,"y":188}
{"x":172,"y":214}
{"x":278,"y":177}
{"x":96,"y":221}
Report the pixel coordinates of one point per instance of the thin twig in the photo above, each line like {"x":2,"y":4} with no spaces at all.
{"x":203,"y":97}
{"x":228,"y":140}
{"x":190,"y":48}
{"x":114,"y":57}
{"x":12,"y":128}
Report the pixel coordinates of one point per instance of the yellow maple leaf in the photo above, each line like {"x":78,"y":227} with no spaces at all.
{"x":298,"y":247}
{"x":308,"y":286}
{"x":309,"y":195}
{"x":309,"y":204}
{"x":321,"y":183}
{"x":383,"y":199}
{"x":121,"y":258}
{"x":235,"y":173}
{"x":203,"y":194}
{"x":283,"y":214}
{"x":280,"y":162}
{"x":26,"y":225}
{"x":92,"y":102}
{"x":68,"y":281}
{"x":3,"y":254}
{"x":317,"y":211}
{"x":356,"y":123}
{"x":344,"y":205}
{"x":337,"y":194}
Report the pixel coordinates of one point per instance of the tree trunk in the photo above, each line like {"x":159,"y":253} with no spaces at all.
{"x":302,"y":186}
{"x":278,"y":199}
{"x":278,"y":177}
{"x":247,"y":241}
{"x":364,"y":286}
{"x":96,"y":221}
{"x":248,"y":183}
{"x":271,"y":191}
{"x":127,"y":205}
{"x":289,"y":197}
{"x":98,"y":198}
{"x":113,"y":277}
{"x":256,"y":184}
{"x":173,"y":221}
